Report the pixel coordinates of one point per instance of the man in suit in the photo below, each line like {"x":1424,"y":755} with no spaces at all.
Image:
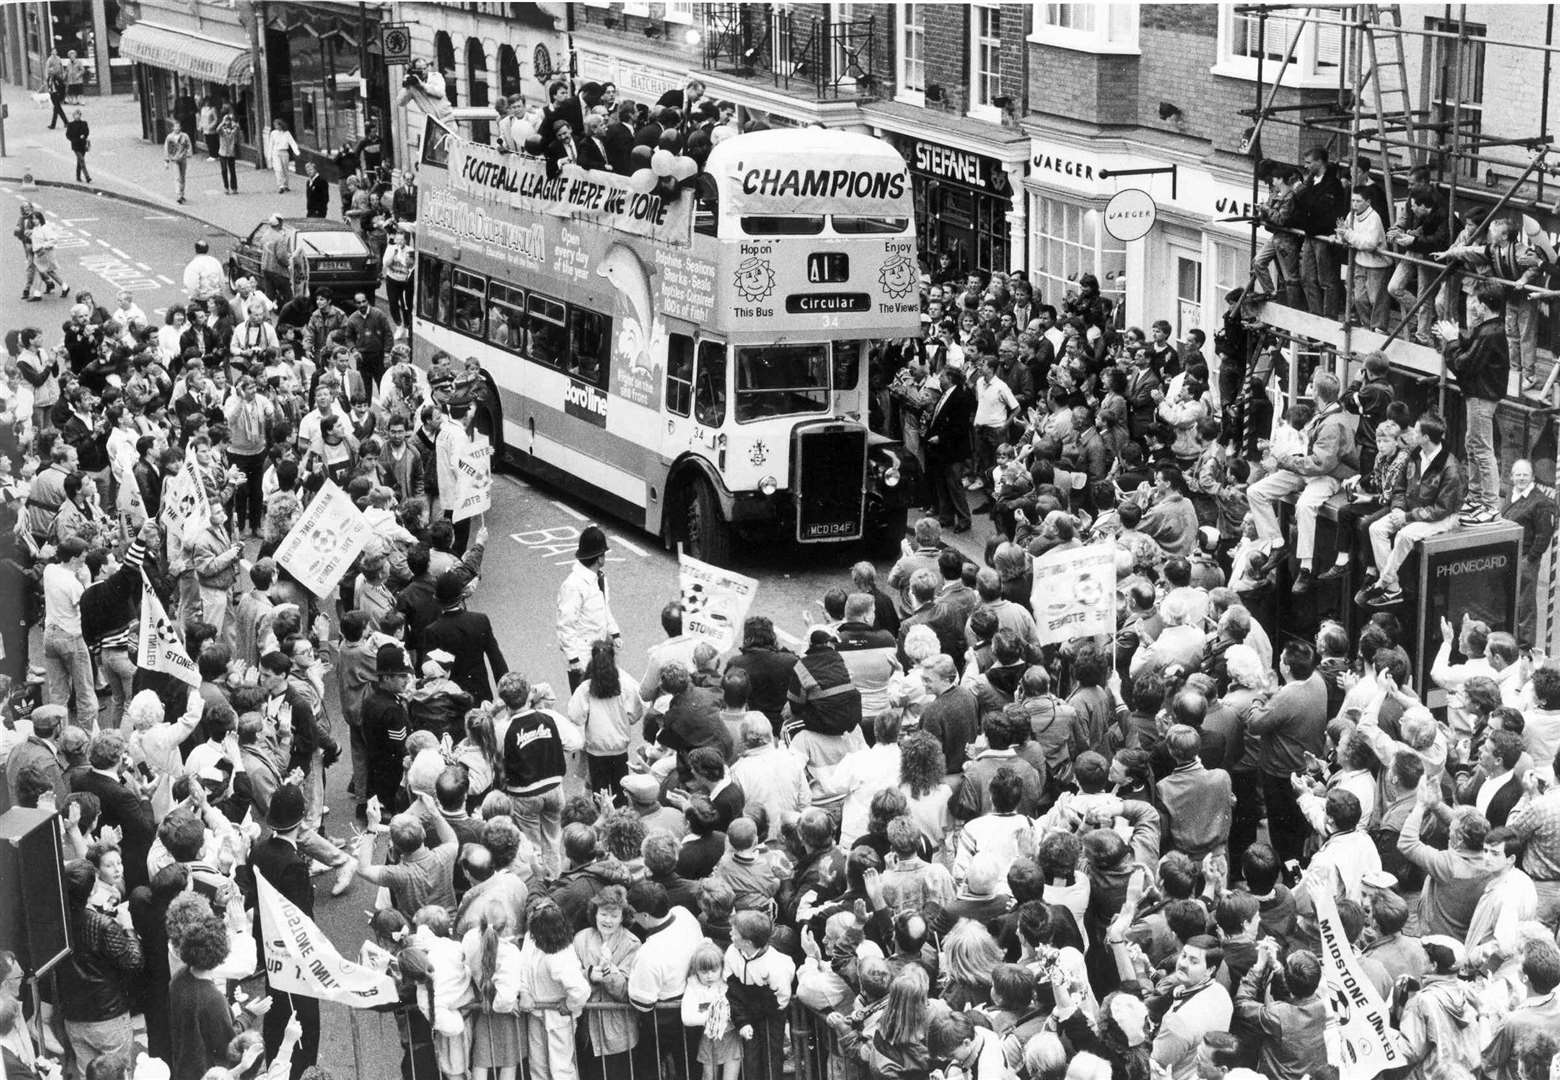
{"x":563,"y":150}
{"x":465,"y":635}
{"x":125,"y":804}
{"x":619,"y":139}
{"x":1291,"y":724}
{"x":1535,"y":512}
{"x":927,"y":609}
{"x":948,"y":447}
{"x":1494,"y":787}
{"x":277,"y":859}
{"x":593,"y":147}
{"x":40,"y":749}
{"x":316,"y":192}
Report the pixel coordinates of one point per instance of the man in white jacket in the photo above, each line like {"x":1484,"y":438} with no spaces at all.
{"x":1365,"y":234}
{"x":583,"y":611}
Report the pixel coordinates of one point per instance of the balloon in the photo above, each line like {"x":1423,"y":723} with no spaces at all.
{"x":722,"y":133}
{"x":667,"y":189}
{"x":639,"y":156}
{"x":661,"y":162}
{"x":670,"y":140}
{"x":643,"y":181}
{"x":684,"y":168}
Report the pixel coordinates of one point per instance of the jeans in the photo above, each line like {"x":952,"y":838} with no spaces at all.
{"x":216,"y":608}
{"x":399,"y":293}
{"x":68,"y":667}
{"x":183,"y":166}
{"x":359,"y":765}
{"x":1314,"y":491}
{"x":1285,"y":251}
{"x":987,"y":440}
{"x":118,"y":665}
{"x":312,"y":845}
{"x":81,"y":167}
{"x":1371,"y":303}
{"x":1522,"y":335}
{"x":314,"y":791}
{"x":229,"y":167}
{"x":1319,"y":274}
{"x":1483,"y":468}
{"x":249,"y":507}
{"x":1391,"y":540}
{"x":58,"y":100}
{"x":1398,"y":289}
{"x":540,"y":818}
{"x":1287,"y":827}
{"x":1527,"y":599}
{"x":92,"y":1039}
{"x":279,"y":167}
{"x":606,"y":770}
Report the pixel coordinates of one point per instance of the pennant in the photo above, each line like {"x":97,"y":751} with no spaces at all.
{"x":299,"y":958}
{"x":1361,"y":1042}
{"x":159,"y":647}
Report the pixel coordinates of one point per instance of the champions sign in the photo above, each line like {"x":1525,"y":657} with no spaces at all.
{"x":521,"y":181}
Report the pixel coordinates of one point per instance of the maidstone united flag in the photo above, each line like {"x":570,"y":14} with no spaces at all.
{"x":300,"y":959}
{"x":159,"y":648}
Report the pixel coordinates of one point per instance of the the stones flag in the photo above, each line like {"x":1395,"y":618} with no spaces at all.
{"x":159,"y":648}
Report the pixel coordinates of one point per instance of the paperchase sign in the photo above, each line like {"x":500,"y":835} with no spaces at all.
{"x":1130,"y":214}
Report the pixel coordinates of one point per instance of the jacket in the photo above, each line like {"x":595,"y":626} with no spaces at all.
{"x":949,"y":424}
{"x":1329,"y":449}
{"x":1366,"y":234}
{"x":384,"y":728}
{"x":1535,"y":512}
{"x":584,"y":614}
{"x":94,"y":981}
{"x":869,"y":655}
{"x":1319,"y":203}
{"x":1369,"y":401}
{"x":1430,"y":494}
{"x":467,"y":636}
{"x":1481,"y":361}
{"x":534,"y":761}
{"x":821,"y":694}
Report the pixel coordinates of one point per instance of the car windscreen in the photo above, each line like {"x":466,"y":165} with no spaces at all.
{"x":332,"y":243}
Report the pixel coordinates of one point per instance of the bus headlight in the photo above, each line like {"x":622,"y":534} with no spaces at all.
{"x":891,"y":477}
{"x":768,"y":486}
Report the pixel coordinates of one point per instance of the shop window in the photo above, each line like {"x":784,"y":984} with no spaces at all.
{"x":590,"y":344}
{"x":433,"y":290}
{"x":549,"y":330}
{"x":506,"y":317}
{"x":1317,"y":36}
{"x":679,"y":374}
{"x":470,"y":290}
{"x":1069,"y":242}
{"x":910,"y":53}
{"x":985,"y":61}
{"x":1095,"y":28}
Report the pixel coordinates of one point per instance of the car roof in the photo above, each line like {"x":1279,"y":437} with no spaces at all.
{"x":308,"y":224}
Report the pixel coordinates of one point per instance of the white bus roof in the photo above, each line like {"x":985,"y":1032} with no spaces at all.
{"x":809,"y":170}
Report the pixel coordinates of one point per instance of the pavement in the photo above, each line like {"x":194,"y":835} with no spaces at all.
{"x":127,"y":167}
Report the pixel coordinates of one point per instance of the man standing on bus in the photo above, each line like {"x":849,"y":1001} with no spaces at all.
{"x":584,"y":614}
{"x":947,"y":444}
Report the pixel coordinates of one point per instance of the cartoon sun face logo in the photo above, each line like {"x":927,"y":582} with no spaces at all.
{"x":754,"y":279}
{"x":898,"y":276}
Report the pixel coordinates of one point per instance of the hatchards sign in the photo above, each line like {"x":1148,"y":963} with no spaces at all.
{"x":1130,"y":213}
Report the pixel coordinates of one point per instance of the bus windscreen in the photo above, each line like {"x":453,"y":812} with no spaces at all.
{"x":781,"y":380}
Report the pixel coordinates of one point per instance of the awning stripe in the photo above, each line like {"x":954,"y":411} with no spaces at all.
{"x":174,"y":50}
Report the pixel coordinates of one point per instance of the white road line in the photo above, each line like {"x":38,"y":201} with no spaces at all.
{"x":78,"y":220}
{"x":106,"y":244}
{"x":143,"y":266}
{"x":121,"y":254}
{"x":573,"y":513}
{"x":165,"y":279}
{"x":641,"y":552}
{"x":160,"y":217}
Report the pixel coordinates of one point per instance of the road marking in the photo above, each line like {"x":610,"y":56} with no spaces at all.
{"x":631,"y":547}
{"x":78,"y":220}
{"x":165,"y":279}
{"x":121,"y":254}
{"x":557,"y":544}
{"x":573,"y":513}
{"x":105,"y":243}
{"x":143,"y":266}
{"x":161,"y":217}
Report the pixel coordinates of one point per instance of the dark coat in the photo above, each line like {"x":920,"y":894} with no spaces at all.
{"x":1481,"y":362}
{"x":467,"y":636}
{"x":947,"y":437}
{"x":316,"y":196}
{"x":1436,"y":493}
{"x":130,"y":814}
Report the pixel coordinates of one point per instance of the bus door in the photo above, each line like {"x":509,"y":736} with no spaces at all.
{"x":696,"y":396}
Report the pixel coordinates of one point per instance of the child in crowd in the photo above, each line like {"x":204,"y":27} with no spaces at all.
{"x":704,"y":1005}
{"x":451,"y":988}
{"x":758,"y":986}
{"x":751,"y":876}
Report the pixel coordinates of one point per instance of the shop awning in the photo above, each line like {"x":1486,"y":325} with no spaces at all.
{"x":201,"y":58}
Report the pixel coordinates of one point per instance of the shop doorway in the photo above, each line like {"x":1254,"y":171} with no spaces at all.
{"x":1188,"y":276}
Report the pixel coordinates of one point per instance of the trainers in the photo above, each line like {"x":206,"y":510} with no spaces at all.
{"x":1276,"y":558}
{"x":1333,"y":572}
{"x":1379,"y":597}
{"x":1482,"y":516}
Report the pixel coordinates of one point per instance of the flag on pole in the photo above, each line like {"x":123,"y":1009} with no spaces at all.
{"x":299,"y":958}
{"x":184,"y":507}
{"x":159,"y":647}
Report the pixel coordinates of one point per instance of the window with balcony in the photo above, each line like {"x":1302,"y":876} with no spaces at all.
{"x":985,"y":61}
{"x":1096,"y":28}
{"x":1313,"y":39}
{"x":910,"y":53}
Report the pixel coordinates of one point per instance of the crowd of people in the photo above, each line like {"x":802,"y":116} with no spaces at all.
{"x":934,"y":842}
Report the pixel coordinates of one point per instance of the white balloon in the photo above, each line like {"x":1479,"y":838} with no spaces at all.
{"x":661,"y":162}
{"x":683,"y":168}
{"x":721,"y":133}
{"x":643,"y":181}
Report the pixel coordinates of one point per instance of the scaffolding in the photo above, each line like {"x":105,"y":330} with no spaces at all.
{"x":1373,"y":114}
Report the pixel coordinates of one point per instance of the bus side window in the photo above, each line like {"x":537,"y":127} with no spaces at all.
{"x":679,"y":374}
{"x":590,"y":337}
{"x":706,"y":207}
{"x":506,"y":317}
{"x":709,"y":398}
{"x":430,"y":276}
{"x":549,"y":335}
{"x":470,"y":290}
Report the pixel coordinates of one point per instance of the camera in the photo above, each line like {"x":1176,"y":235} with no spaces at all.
{"x":412,"y":79}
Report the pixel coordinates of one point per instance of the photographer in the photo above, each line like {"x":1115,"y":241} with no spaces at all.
{"x":425,"y":87}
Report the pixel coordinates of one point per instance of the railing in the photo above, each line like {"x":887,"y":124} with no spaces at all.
{"x":660,"y":1047}
{"x":799,"y":53}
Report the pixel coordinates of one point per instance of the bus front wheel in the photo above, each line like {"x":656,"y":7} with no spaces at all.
{"x":709,"y":536}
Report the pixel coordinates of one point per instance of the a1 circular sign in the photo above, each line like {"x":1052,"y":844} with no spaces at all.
{"x":1130,"y":214}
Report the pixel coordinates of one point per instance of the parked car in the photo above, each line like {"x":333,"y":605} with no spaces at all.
{"x":310,"y":254}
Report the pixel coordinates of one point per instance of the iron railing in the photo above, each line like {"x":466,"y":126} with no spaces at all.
{"x":799,"y":53}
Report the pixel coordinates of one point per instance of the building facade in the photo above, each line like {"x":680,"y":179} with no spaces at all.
{"x":88,"y":28}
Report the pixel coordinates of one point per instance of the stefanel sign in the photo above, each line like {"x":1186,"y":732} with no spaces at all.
{"x":1130,"y":214}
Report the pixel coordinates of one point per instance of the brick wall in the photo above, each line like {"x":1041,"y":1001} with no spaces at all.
{"x":947,"y":55}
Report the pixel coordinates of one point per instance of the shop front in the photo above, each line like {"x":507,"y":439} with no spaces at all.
{"x":176,"y":72}
{"x":326,"y":79}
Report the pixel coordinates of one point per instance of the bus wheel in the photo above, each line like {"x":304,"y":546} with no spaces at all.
{"x":709,"y":535}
